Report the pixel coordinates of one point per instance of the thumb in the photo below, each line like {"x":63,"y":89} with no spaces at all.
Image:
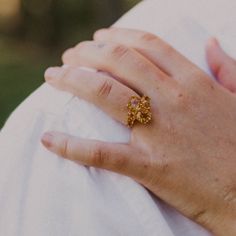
{"x":222,"y":65}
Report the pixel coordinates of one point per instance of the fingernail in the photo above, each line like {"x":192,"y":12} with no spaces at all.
{"x":53,"y":73}
{"x":47,"y":140}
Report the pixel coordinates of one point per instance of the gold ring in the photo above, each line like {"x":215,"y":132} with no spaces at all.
{"x":139,"y":109}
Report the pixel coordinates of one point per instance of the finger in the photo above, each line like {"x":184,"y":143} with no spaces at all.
{"x":222,"y":65}
{"x":120,"y":158}
{"x":100,"y":89}
{"x":129,"y":66}
{"x":152,"y":47}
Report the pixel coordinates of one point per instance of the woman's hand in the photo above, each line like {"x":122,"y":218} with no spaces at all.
{"x":187,"y":154}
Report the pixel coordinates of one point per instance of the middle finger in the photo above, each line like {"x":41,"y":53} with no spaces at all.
{"x":133,"y":69}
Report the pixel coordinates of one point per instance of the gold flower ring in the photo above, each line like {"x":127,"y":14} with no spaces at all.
{"x":139,"y":109}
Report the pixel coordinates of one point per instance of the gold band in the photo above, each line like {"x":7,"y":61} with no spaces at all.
{"x":139,"y":109}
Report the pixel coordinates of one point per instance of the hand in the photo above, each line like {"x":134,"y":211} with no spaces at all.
{"x":186,"y":155}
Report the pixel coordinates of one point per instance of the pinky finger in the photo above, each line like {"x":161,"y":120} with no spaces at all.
{"x":119,"y":158}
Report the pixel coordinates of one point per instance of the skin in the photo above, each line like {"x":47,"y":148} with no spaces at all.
{"x":186,"y":154}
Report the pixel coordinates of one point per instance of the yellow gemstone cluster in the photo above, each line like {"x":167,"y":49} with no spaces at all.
{"x":139,"y":109}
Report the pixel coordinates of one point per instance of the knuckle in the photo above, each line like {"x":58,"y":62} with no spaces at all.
{"x":99,"y":156}
{"x":68,"y":74}
{"x":141,"y":65}
{"x":167,"y":50}
{"x":194,"y":77}
{"x":199,"y":81}
{"x":119,"y":51}
{"x":147,"y":37}
{"x":161,"y":167}
{"x":119,"y":162}
{"x":104,"y":89}
{"x":229,"y":195}
{"x":64,"y":151}
{"x":164,"y":48}
{"x":200,"y":216}
{"x":195,"y":81}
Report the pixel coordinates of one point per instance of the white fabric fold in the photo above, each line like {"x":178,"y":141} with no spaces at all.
{"x":41,"y":194}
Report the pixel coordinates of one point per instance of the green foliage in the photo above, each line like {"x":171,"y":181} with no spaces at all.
{"x":17,"y":81}
{"x":42,"y":31}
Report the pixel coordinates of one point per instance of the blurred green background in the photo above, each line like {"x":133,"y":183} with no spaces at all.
{"x":34,"y":34}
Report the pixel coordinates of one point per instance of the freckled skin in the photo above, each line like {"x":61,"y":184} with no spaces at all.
{"x":186,"y":155}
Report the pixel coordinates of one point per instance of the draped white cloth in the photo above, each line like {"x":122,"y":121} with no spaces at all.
{"x":43,"y":195}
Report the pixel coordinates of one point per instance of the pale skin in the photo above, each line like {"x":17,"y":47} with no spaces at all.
{"x":187,"y":154}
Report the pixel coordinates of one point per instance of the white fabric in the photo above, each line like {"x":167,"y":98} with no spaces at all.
{"x":43,"y":195}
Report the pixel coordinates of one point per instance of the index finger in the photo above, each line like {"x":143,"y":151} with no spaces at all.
{"x":118,"y":157}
